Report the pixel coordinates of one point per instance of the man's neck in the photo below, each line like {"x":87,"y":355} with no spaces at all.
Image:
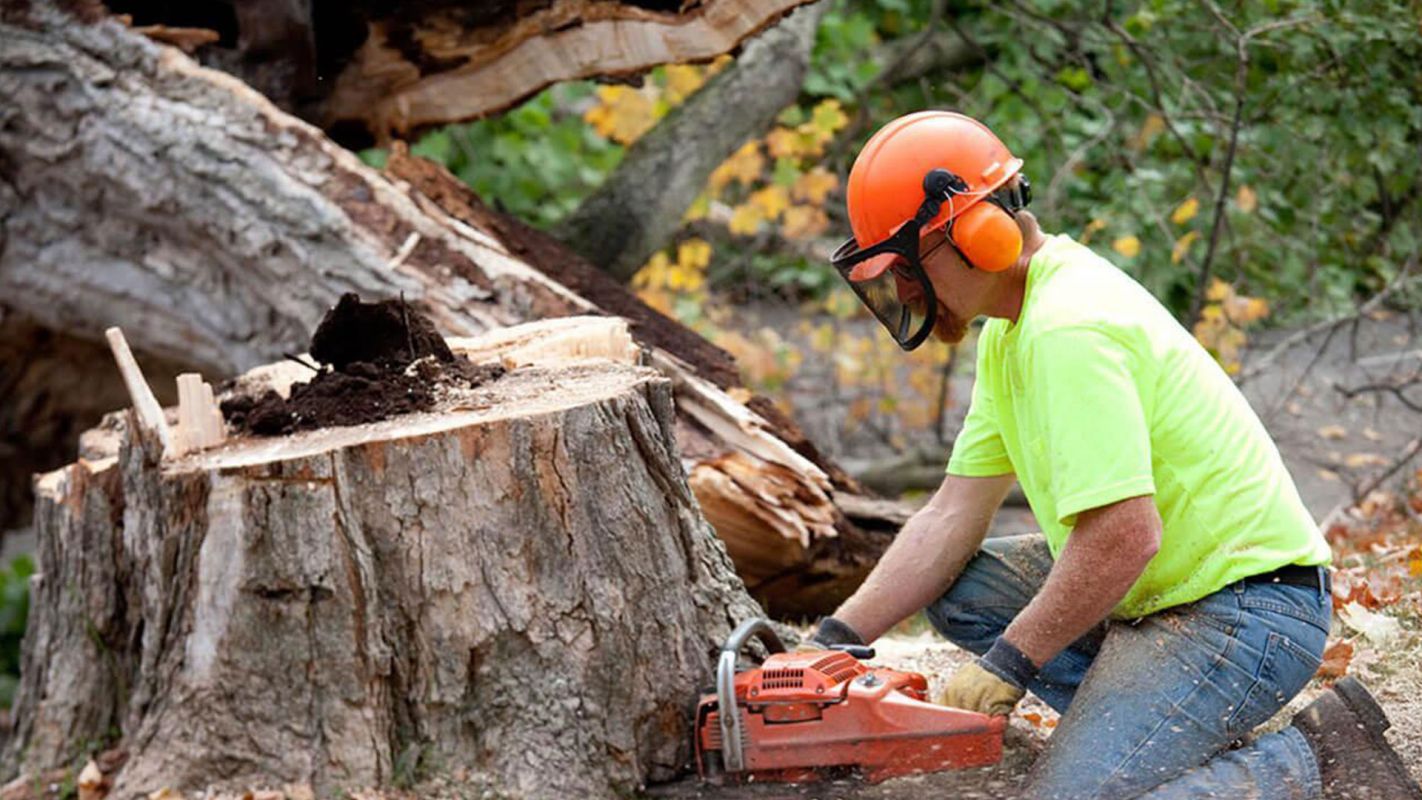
{"x":1008,"y":303}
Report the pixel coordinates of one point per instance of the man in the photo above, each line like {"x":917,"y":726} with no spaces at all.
{"x":1178,"y":595}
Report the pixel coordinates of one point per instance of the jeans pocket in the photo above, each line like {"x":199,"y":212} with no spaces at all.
{"x":1283,"y":671}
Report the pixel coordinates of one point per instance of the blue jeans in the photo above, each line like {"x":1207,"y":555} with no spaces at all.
{"x":1156,"y":707}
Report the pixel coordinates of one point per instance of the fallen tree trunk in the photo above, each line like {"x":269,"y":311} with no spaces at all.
{"x":517,"y":584}
{"x":143,"y":191}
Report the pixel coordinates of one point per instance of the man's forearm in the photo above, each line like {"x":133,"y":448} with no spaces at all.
{"x":926,"y":556}
{"x":1104,"y":555}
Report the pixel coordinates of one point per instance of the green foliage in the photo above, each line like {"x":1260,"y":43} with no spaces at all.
{"x":537,"y":161}
{"x":1123,"y":119}
{"x":14,"y":609}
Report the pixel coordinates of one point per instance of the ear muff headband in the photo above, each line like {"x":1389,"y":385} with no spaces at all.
{"x":986,"y":234}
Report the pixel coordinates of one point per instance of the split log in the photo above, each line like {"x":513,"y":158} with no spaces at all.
{"x":517,"y":584}
{"x":217,"y":242}
{"x":372,"y":70}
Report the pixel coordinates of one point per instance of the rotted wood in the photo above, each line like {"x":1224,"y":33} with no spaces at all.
{"x":517,"y":584}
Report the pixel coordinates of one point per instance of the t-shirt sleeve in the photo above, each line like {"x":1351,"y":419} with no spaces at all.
{"x":1086,"y":388}
{"x":978,"y":451}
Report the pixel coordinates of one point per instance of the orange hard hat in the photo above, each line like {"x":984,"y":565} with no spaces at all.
{"x":886,"y":186}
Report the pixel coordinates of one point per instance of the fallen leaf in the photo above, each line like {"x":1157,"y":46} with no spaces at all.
{"x":1333,"y":432}
{"x":1336,"y":659}
{"x":1359,"y":460}
{"x":1378,"y":628}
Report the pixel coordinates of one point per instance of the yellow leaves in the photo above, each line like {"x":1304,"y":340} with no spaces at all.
{"x":766,"y":360}
{"x":682,"y":80}
{"x":808,"y":139}
{"x":1151,"y":128}
{"x":788,"y":143}
{"x":694,"y":253}
{"x":661,"y":278}
{"x":746,"y":219}
{"x":772,"y":201}
{"x":622,"y":114}
{"x":814,"y":186}
{"x":1186,"y":211}
{"x":1091,"y":228}
{"x":828,"y":117}
{"x":804,"y":222}
{"x":1246,"y":199}
{"x":1222,"y":323}
{"x":1128,"y":246}
{"x":744,"y":167}
{"x":698,"y":209}
{"x":1182,"y":246}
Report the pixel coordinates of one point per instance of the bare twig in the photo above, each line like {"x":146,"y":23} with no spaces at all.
{"x":1397,"y":388}
{"x":1408,"y":454}
{"x":1298,"y":337}
{"x":1241,"y":72}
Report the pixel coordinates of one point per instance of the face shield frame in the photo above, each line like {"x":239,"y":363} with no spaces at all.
{"x":896,"y":316}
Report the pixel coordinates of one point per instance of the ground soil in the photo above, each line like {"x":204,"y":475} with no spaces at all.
{"x":378,"y":360}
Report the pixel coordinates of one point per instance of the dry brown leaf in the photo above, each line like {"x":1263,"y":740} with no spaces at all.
{"x":1336,"y":659}
{"x":1360,"y":460}
{"x":1333,"y":432}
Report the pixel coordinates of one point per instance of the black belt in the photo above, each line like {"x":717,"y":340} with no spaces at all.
{"x":1296,"y":575}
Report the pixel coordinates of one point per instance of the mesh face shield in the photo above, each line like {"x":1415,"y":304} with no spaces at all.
{"x":899,"y":294}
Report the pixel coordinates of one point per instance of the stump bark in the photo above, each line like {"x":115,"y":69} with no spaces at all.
{"x":518,"y":584}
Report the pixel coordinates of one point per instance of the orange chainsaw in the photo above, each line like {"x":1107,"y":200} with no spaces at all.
{"x":806,"y":716}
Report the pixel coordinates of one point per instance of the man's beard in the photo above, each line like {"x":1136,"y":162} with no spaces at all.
{"x":949,"y":327}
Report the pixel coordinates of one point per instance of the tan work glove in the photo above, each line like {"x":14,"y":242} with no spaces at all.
{"x":975,"y":689}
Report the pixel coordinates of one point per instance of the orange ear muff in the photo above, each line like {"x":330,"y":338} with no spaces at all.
{"x":988,"y":236}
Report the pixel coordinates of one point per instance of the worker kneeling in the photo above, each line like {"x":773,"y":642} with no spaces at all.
{"x":1179,"y":593}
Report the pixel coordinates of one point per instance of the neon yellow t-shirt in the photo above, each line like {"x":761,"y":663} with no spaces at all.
{"x":1096,"y":395}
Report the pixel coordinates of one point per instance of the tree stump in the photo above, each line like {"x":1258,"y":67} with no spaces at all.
{"x":518,"y":584}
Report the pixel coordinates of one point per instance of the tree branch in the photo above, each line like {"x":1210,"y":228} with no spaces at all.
{"x":640,"y":206}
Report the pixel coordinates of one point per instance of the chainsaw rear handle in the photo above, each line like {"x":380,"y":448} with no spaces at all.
{"x":732,"y":752}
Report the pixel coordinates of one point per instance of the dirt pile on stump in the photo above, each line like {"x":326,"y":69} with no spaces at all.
{"x":378,"y":360}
